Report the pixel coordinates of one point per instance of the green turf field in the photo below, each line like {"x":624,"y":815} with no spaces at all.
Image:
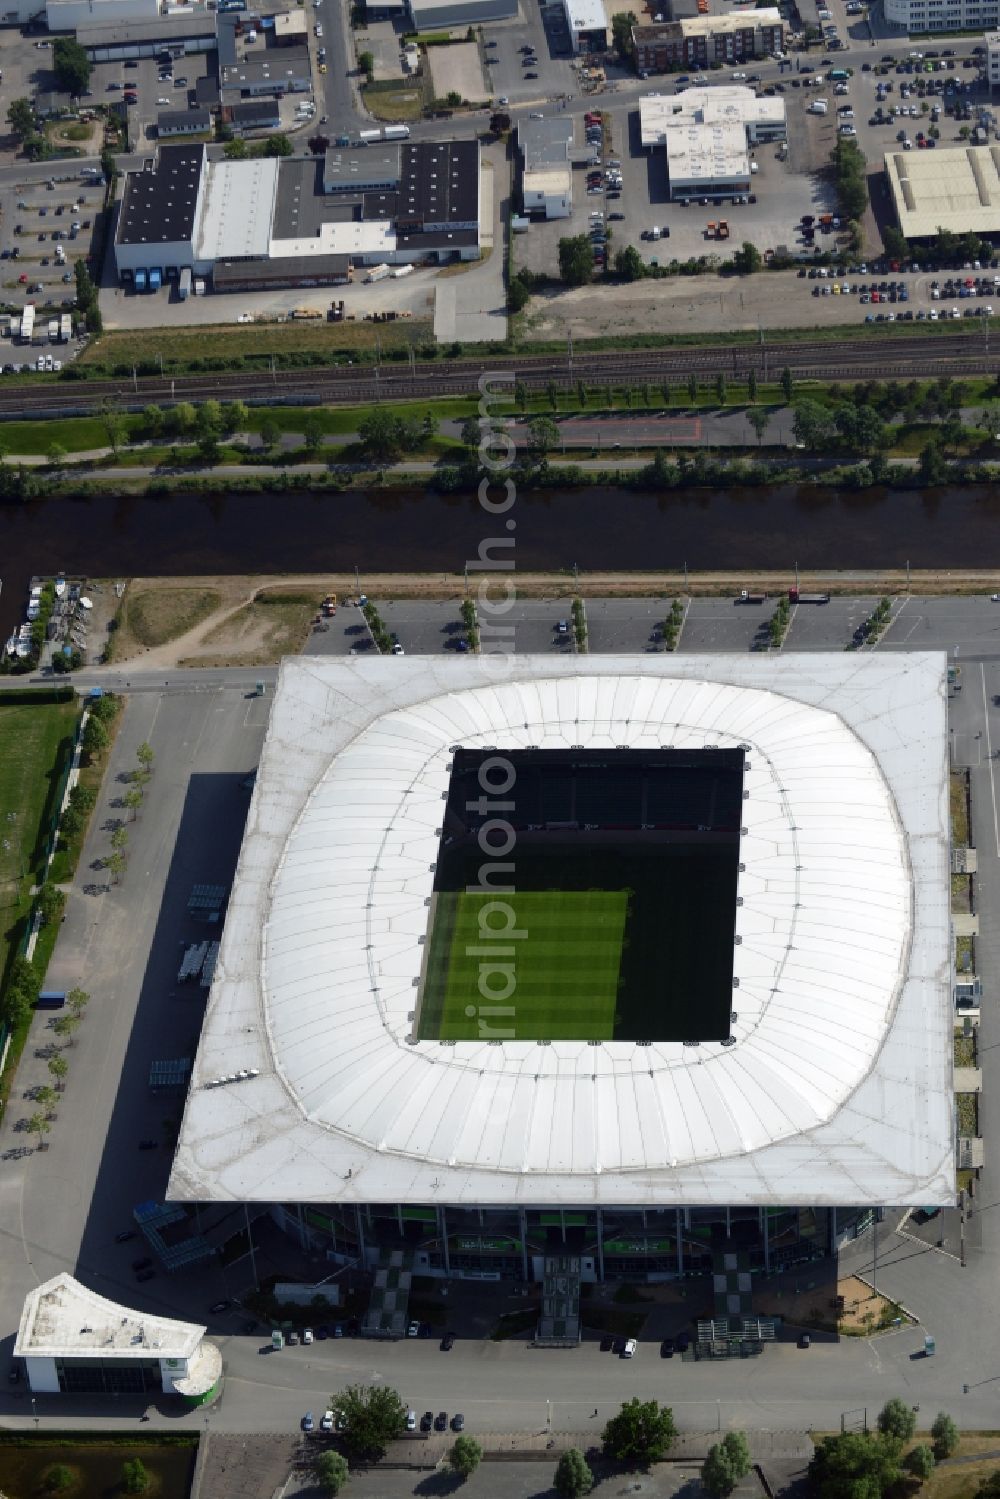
{"x":35,"y":740}
{"x":565,"y":968}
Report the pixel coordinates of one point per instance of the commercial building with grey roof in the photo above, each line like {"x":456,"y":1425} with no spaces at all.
{"x":159,"y":210}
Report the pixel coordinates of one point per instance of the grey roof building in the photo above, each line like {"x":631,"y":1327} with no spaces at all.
{"x":183,"y":122}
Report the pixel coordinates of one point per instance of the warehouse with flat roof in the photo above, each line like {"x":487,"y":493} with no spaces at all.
{"x":955,"y":188}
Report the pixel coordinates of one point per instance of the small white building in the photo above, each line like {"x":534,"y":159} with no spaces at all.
{"x":707,"y":161}
{"x":761,"y":119}
{"x":547,"y":174}
{"x":588,"y":24}
{"x":73,"y":1341}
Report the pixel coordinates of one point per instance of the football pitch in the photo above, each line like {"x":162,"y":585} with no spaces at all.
{"x":557,"y":981}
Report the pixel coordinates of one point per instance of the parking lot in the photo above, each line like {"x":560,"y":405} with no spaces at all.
{"x":39,"y":245}
{"x":543,"y":29}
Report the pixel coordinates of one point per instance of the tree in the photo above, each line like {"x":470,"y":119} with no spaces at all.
{"x":465,"y":1456}
{"x":748,"y":258}
{"x":371,"y":1416}
{"x":277,"y":145}
{"x":234,"y":416}
{"x":812,"y":425}
{"x":854,"y":1466}
{"x":135,"y":1479}
{"x":71,"y":65}
{"x":114,"y":425}
{"x":236,"y":149}
{"x":787,"y":385}
{"x":851,"y":173}
{"x":990,"y":1487}
{"x":470,"y":434}
{"x":208,"y":419}
{"x":313,"y":431}
{"x":77,"y":1001}
{"x":932,"y":467}
{"x":151,"y":421}
{"x":145,"y":756}
{"x":640,"y":1434}
{"x":319,"y":144}
{"x":894,"y":242}
{"x":573,"y":1476}
{"x":945,"y":1434}
{"x":717,"y":1477}
{"x":94,"y":738}
{"x":720,"y":388}
{"x":55,"y":454}
{"x":65,"y":1025}
{"x":366,"y":64}
{"x":576,"y":260}
{"x":896,"y":1419}
{"x":692,"y":388}
{"x":621,"y":33}
{"x":40,"y":1126}
{"x":23,"y":986}
{"x":920,"y":1461}
{"x":58,"y":1068}
{"x":752,"y":386}
{"x":384,"y":437}
{"x":45,"y":1096}
{"x":21,"y":118}
{"x":115,"y":864}
{"x":51,"y":901}
{"x":629,"y":263}
{"x":332,"y":1471}
{"x":760,"y":419}
{"x":270,"y":433}
{"x":543,"y":434}
{"x":518,"y":295}
{"x":133,"y":801}
{"x":119,"y":839}
{"x":58,"y":1478}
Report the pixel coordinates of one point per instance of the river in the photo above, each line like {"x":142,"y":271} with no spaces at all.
{"x":422,"y":531}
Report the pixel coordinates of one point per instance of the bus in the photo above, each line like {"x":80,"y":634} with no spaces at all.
{"x":839,"y":75}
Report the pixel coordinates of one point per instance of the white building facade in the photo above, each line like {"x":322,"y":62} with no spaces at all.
{"x":943,"y":15}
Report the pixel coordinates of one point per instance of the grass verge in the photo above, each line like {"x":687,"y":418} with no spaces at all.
{"x":185,"y":347}
{"x":152,"y":616}
{"x":67,"y":854}
{"x":959,"y":809}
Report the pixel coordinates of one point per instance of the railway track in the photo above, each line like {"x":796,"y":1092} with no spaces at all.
{"x":852,"y":359}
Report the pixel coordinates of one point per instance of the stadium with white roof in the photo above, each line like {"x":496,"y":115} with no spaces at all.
{"x":641,"y":1149}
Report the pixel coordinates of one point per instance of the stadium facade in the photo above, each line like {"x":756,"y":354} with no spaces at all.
{"x":825,"y":1094}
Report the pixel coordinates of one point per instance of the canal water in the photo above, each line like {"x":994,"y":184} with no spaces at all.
{"x":418,"y":530}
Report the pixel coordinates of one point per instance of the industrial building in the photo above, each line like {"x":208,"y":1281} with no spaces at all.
{"x":992,"y":41}
{"x":956,"y":188}
{"x":438,"y":15}
{"x":105,"y":41}
{"x":74,"y":1342}
{"x":708,"y":134}
{"x":299,"y":221}
{"x":699,"y":41}
{"x":547,"y":159}
{"x":822,"y":1088}
{"x":943,"y":15}
{"x":176,"y":122}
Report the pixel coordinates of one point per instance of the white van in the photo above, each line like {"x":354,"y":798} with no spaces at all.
{"x":411,"y":1420}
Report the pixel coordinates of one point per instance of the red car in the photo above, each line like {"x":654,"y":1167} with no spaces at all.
{"x":22,"y":280}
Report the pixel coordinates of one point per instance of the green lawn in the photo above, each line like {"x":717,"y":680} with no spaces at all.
{"x":35,"y":742}
{"x":565,"y":968}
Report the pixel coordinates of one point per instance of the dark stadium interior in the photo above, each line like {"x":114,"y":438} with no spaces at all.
{"x":663,"y":824}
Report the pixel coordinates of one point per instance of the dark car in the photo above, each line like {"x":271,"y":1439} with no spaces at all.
{"x":322,"y":1332}
{"x":146,"y":1275}
{"x":441,"y":1421}
{"x":220,"y":1306}
{"x":427,"y":1421}
{"x":683,"y":1342}
{"x":607,"y":1343}
{"x":667,"y":1348}
{"x":142,"y":1264}
{"x":531,"y":75}
{"x":447,"y":1342}
{"x":424,"y":1331}
{"x":125,"y":1235}
{"x":458,"y":1422}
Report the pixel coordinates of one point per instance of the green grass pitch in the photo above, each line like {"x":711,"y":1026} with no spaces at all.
{"x":565,"y":967}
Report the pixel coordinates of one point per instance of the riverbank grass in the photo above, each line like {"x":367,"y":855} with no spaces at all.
{"x":151,"y":616}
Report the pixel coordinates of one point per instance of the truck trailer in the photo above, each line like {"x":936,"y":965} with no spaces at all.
{"x":184,"y":284}
{"x":746,"y":597}
{"x":396,"y":133}
{"x":795,"y":597}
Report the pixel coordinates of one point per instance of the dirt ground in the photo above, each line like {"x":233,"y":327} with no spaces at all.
{"x":219,"y":620}
{"x":811,"y":1304}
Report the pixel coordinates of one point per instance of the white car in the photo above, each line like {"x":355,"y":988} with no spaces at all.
{"x":504,"y":99}
{"x":413,"y":1331}
{"x":307,"y":1335}
{"x":630,"y":1347}
{"x":163,"y":101}
{"x":317,"y":30}
{"x":739,"y":77}
{"x":326,"y":1421}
